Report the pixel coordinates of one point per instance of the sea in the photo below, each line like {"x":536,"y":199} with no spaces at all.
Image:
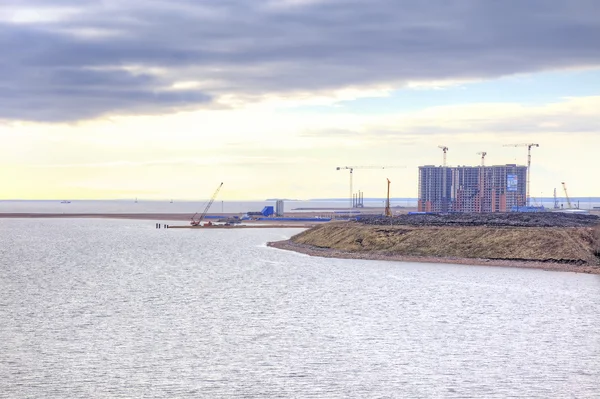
{"x":228,"y":207}
{"x":104,"y":308}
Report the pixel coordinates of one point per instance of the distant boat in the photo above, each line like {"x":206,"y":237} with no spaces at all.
{"x":65,"y":202}
{"x":136,"y":200}
{"x":171,"y":201}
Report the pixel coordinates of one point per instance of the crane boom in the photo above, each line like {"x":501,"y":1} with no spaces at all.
{"x":195,"y":222}
{"x":567,"y":195}
{"x":351,"y":169}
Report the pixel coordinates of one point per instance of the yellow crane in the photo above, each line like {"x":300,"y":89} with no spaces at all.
{"x":567,"y":195}
{"x":351,"y":169}
{"x":529,"y":146}
{"x":388,"y":209}
{"x":445,"y":149}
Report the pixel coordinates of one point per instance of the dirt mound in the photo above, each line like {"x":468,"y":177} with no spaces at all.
{"x":536,"y":244}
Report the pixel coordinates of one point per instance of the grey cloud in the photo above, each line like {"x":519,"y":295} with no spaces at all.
{"x":247,"y":48}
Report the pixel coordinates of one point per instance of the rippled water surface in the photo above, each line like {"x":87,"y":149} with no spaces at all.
{"x":110,"y":309}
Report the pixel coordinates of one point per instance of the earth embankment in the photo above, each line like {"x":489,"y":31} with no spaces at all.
{"x":556,"y":248}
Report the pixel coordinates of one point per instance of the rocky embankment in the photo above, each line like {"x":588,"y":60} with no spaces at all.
{"x":570,"y":243}
{"x":534,"y":219}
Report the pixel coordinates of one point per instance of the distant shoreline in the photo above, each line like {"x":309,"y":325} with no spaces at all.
{"x":158,"y":217}
{"x":334,"y":253}
{"x":140,"y":216}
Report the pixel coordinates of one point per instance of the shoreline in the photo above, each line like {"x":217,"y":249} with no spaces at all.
{"x":162,"y":218}
{"x":310,"y":250}
{"x":139,"y":216}
{"x":142,"y":216}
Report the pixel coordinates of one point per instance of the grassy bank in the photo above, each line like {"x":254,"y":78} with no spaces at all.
{"x":575,"y":245}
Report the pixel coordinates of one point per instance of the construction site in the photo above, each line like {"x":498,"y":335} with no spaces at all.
{"x":481,"y":188}
{"x":466,"y":214}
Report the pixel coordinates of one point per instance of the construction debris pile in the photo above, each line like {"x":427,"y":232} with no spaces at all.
{"x":538,"y":219}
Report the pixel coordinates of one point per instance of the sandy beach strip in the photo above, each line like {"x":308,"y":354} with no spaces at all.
{"x":182,"y":219}
{"x":332,"y":253}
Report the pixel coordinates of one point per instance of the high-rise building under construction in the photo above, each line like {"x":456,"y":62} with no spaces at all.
{"x":472,"y":188}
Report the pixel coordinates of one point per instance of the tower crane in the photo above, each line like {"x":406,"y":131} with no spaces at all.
{"x":445,"y":149}
{"x":481,"y":180}
{"x":388,"y":210}
{"x":195,"y":222}
{"x":528,"y":164}
{"x":351,"y":169}
{"x":483,"y":154}
{"x":567,"y":195}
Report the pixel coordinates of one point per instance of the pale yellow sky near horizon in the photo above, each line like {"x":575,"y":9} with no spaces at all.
{"x":274,"y":150}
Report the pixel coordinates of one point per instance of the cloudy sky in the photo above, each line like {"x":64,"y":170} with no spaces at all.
{"x":167,"y":98}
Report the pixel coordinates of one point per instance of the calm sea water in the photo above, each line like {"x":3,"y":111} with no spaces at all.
{"x":112,"y":309}
{"x":191,"y":207}
{"x":146,"y":206}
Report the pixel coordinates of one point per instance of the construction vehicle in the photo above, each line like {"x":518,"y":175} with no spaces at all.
{"x":567,"y":195}
{"x":388,"y":210}
{"x":196,"y":222}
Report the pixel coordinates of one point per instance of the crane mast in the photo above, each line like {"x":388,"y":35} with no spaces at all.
{"x":195,"y":222}
{"x":481,"y":180}
{"x":445,"y":149}
{"x":483,"y":154}
{"x":388,"y":210}
{"x":528,"y":165}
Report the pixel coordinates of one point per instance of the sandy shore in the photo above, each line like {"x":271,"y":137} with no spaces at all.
{"x":332,"y":253}
{"x":181,"y":219}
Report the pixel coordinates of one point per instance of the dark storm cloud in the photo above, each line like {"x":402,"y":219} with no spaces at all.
{"x":72,"y":68}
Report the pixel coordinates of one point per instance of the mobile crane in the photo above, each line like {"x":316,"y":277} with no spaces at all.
{"x":197,"y":222}
{"x":567,"y":195}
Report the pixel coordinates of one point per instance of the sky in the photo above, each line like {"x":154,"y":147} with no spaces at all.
{"x":161,"y":99}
